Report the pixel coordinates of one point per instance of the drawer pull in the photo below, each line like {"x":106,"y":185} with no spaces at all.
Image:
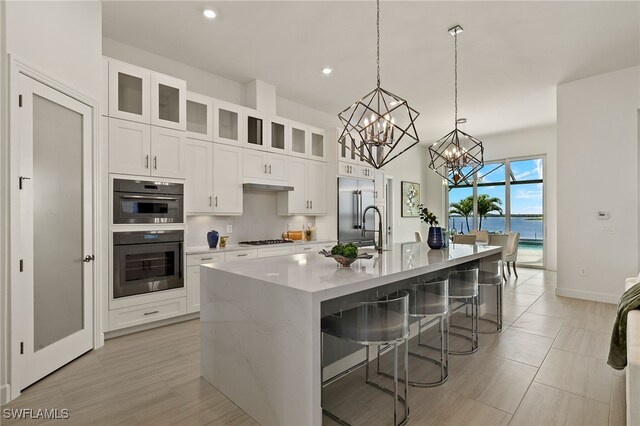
{"x":307,"y":248}
{"x":242,"y":255}
{"x":207,"y":258}
{"x":152,"y":312}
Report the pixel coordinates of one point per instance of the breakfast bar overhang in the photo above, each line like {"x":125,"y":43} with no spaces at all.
{"x":260,"y":321}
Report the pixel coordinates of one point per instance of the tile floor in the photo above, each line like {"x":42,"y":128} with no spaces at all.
{"x":547,"y":367}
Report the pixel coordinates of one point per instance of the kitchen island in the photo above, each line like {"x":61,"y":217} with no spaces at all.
{"x":260,"y":321}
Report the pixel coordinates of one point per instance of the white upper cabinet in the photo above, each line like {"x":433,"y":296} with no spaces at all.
{"x":199,"y":184}
{"x":265,"y":167}
{"x":279,"y":135}
{"x":228,"y":122}
{"x":317,"y":187}
{"x":309,"y":196}
{"x":168,"y":102}
{"x":317,"y":149}
{"x":129,"y":92}
{"x":256,"y":130}
{"x":379,"y":187}
{"x":347,"y":149}
{"x":168,"y":148}
{"x":227,"y":179}
{"x":199,"y":117}
{"x":366,"y":172}
{"x":299,"y":140}
{"x":129,"y":147}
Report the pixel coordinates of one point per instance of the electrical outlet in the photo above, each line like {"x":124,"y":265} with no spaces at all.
{"x":584,"y":272}
{"x":608,"y":229}
{"x":229,"y":229}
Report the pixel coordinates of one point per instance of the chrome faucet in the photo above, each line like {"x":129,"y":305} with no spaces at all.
{"x":379,"y":231}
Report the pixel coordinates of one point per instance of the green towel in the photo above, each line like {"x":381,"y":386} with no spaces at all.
{"x":629,"y":301}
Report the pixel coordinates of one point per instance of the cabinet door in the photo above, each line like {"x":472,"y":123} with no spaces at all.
{"x":279,"y":135}
{"x":199,"y":184}
{"x":168,"y":149}
{"x":298,"y":202}
{"x":227,"y":123}
{"x":227,"y":179}
{"x":317,"y":184}
{"x":299,"y":140}
{"x":129,"y":147}
{"x":168,"y":102}
{"x":256,"y":130}
{"x":379,"y":190}
{"x":317,"y":150}
{"x":199,"y":117}
{"x":366,"y":172}
{"x":347,"y":169}
{"x":129,"y":92}
{"x":193,"y":289}
{"x":278,"y":168}
{"x":255,"y":168}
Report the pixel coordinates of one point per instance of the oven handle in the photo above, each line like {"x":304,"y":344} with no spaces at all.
{"x":147,"y":197}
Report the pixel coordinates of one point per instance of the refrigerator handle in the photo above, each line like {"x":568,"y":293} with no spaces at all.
{"x":355,"y":210}
{"x":360,"y":210}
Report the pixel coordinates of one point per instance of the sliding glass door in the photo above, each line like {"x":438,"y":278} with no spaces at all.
{"x":502,"y":197}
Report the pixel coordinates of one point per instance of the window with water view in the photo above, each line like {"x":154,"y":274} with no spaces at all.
{"x":503,"y":197}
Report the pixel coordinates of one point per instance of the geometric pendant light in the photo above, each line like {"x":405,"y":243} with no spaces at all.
{"x":457,"y":155}
{"x":380,"y":126}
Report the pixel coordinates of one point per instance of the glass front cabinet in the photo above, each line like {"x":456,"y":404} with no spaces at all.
{"x":129,"y":92}
{"x":199,"y":117}
{"x":228,"y":122}
{"x":279,"y":135}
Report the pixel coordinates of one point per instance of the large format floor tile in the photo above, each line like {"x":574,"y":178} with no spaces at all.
{"x":549,"y":308}
{"x":579,"y":374}
{"x":523,"y":347}
{"x":583,"y":341}
{"x":538,"y":324}
{"x":597,"y":321}
{"x":545,"y":405}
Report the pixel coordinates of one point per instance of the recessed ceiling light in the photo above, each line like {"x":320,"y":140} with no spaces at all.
{"x":208,"y":13}
{"x":327,"y":70}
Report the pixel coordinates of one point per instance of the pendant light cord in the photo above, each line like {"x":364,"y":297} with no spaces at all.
{"x":455,"y":75}
{"x":378,"y":39}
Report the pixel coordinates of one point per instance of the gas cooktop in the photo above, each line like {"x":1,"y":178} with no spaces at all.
{"x":264,"y":242}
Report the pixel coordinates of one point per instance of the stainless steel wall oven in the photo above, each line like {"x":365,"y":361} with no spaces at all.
{"x":139,"y":201}
{"x":147,"y":261}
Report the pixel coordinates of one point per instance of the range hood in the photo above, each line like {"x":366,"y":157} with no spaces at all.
{"x":266,"y":187}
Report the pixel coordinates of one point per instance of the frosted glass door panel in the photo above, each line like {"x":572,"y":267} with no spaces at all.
{"x":277,"y":136}
{"x":317,"y":145}
{"x":197,"y":117}
{"x":228,"y":124}
{"x":129,"y":93}
{"x":298,"y":141}
{"x":169,"y":103}
{"x":57,"y":222}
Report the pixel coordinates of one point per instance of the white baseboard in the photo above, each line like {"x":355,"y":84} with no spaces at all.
{"x":5,"y":393}
{"x":588,"y":295}
{"x":149,"y":326}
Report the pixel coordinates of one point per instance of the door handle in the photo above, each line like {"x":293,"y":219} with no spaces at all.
{"x":269,"y":168}
{"x":311,"y":204}
{"x":151,"y":313}
{"x":146,"y":162}
{"x":23,"y":178}
{"x":89,"y":258}
{"x":216,"y":200}
{"x":307,"y":203}
{"x":265,"y":168}
{"x":155,"y":162}
{"x":243,"y":255}
{"x":209,"y":200}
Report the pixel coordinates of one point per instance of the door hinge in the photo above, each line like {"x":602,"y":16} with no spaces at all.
{"x":21,"y":348}
{"x":21,"y":265}
{"x":20,"y":101}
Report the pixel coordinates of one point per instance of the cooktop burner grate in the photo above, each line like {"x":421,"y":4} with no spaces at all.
{"x":265,"y":242}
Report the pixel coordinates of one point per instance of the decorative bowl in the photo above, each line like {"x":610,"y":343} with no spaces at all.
{"x":345,"y":262}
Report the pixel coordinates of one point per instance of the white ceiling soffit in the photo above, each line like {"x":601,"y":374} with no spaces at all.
{"x":511,"y":54}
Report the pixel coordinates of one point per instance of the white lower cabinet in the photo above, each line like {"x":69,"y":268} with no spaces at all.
{"x":309,"y":196}
{"x":193,"y":288}
{"x":281,"y":250}
{"x":306,"y":248}
{"x":241,"y":255}
{"x":149,"y":312}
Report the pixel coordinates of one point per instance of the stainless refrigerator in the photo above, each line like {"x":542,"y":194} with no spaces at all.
{"x":354,"y":196}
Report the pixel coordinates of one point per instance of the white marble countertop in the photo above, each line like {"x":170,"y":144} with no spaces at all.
{"x":320,"y":276}
{"x":238,"y":247}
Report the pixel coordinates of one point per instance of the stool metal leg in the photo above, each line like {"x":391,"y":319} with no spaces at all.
{"x":474,"y":328}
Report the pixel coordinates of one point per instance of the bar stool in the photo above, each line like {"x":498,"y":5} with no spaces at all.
{"x":463,"y":286}
{"x":489,"y":276}
{"x":429,"y":298}
{"x":381,"y":321}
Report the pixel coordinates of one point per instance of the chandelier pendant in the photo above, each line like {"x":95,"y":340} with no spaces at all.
{"x":457,"y":156}
{"x":379,"y":126}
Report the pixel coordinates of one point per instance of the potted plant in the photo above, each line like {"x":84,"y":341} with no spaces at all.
{"x":434,"y":240}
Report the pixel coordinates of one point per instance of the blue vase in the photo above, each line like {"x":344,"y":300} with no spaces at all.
{"x":212,"y":239}
{"x":435,"y":237}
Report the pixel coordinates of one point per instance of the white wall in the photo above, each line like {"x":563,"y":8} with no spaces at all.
{"x":598,"y":170}
{"x":530,"y":142}
{"x":62,"y":39}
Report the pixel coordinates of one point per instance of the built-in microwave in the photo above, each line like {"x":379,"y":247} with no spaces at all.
{"x":139,"y":201}
{"x":147,"y":261}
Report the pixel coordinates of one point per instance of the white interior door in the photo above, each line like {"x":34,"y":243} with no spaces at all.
{"x":52,"y":318}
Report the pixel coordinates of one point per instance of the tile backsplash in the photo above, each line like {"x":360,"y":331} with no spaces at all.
{"x":258,"y":222}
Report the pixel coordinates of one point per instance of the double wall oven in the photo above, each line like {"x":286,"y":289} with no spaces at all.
{"x":149,"y":258}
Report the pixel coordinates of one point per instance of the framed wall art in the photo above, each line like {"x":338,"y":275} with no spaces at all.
{"x":410,"y":199}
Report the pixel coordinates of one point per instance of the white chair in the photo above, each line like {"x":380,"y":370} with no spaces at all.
{"x":481,"y":236}
{"x":464,"y":239}
{"x":511,"y":254}
{"x":418,"y":237}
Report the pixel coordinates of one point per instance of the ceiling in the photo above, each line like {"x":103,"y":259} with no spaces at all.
{"x":511,"y":54}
